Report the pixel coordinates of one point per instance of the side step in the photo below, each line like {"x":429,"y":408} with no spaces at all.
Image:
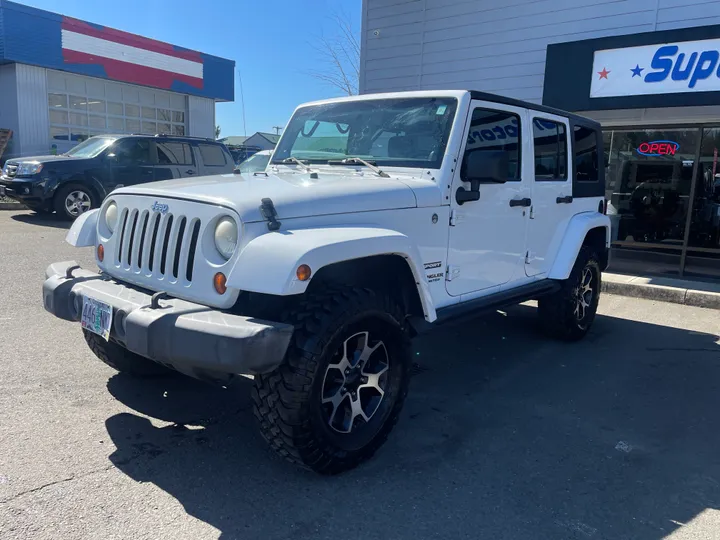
{"x":486,"y":304}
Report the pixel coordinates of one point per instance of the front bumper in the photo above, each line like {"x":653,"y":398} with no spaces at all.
{"x":191,"y":338}
{"x":28,"y":191}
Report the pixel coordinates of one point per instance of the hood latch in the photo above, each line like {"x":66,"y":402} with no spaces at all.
{"x":267,"y":209}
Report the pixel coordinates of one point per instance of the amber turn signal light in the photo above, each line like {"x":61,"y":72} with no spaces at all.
{"x":220,"y":283}
{"x":303,"y":272}
{"x":100,"y":252}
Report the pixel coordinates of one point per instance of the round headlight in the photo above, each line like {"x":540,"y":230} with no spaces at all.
{"x":226,"y":237}
{"x":111,"y":216}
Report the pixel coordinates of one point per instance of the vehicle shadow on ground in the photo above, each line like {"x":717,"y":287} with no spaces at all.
{"x":42,"y":219}
{"x":505,"y":434}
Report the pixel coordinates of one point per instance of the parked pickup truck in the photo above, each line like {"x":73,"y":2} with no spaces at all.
{"x":379,"y":217}
{"x":77,"y":181}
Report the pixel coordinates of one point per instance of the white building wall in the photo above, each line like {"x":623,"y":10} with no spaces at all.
{"x":201,"y":116}
{"x":9,"y":107}
{"x":498,"y":46}
{"x":33,"y":116}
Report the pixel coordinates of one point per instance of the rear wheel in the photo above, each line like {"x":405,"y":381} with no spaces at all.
{"x":569,"y":313}
{"x":339,"y":392}
{"x":73,"y":200}
{"x":122,"y":360}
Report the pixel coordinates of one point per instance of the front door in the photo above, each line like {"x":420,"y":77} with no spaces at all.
{"x":487,"y":236}
{"x":552,"y":201}
{"x":131,"y":162}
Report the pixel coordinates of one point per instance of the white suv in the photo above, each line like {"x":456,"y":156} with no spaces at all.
{"x":379,"y":217}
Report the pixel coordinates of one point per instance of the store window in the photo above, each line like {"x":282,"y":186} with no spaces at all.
{"x":648,"y":183}
{"x":550,"y":144}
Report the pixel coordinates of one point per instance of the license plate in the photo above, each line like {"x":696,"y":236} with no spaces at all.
{"x":96,"y":317}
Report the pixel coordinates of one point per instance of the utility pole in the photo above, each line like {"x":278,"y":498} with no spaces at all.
{"x":242,"y":102}
{"x":277,"y":129}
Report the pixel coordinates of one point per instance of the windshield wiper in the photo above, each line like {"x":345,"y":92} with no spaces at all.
{"x":359,"y":161}
{"x":296,"y":161}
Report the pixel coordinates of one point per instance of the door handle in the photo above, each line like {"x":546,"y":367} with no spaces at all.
{"x":189,"y":171}
{"x":520,"y":202}
{"x":564,"y":200}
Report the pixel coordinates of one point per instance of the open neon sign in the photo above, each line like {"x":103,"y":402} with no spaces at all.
{"x":658,"y":148}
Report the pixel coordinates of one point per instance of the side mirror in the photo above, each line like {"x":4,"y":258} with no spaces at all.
{"x":482,"y":167}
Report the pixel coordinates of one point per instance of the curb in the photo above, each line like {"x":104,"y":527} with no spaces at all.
{"x":661,"y":293}
{"x":11,"y":206}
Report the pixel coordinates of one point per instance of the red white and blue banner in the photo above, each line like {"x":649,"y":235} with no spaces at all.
{"x":665,"y":68}
{"x":81,"y":47}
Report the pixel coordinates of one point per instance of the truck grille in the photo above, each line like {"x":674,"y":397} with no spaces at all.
{"x":158,"y":245}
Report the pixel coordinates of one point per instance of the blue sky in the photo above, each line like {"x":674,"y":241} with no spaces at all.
{"x":270,"y":41}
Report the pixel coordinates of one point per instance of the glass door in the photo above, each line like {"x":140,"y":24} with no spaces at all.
{"x":703,"y":251}
{"x":648,"y":184}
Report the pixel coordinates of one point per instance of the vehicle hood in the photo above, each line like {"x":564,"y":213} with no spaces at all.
{"x":293,"y":194}
{"x":43,"y":159}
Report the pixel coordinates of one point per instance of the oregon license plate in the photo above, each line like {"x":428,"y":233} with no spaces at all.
{"x":96,"y":317}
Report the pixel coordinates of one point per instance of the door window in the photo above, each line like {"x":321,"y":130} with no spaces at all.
{"x":174,"y":153}
{"x":586,"y":154}
{"x":133,"y":152}
{"x":494,"y":131}
{"x":212,"y":155}
{"x":550,"y":143}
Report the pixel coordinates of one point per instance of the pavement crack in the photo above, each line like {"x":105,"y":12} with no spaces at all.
{"x":54,"y":483}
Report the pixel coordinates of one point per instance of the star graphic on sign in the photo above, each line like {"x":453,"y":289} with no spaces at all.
{"x":637,"y":71}
{"x":603,"y":74}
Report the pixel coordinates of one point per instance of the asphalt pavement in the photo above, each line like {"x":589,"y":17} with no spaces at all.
{"x":505,"y":434}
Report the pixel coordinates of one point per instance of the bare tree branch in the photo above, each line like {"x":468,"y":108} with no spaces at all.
{"x":339,"y":56}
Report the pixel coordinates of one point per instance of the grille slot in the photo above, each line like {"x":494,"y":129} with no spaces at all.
{"x":165,"y":243}
{"x":155,"y":228}
{"x":131,"y":237}
{"x":177,"y":245}
{"x":195,"y":228}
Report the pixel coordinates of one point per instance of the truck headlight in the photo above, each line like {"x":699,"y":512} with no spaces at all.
{"x":111,"y":216}
{"x":28,"y":169}
{"x":226,"y":236}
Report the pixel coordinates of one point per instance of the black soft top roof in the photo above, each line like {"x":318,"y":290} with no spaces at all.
{"x":485,"y":96}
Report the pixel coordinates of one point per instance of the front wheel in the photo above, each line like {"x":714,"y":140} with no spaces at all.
{"x":339,"y":392}
{"x":569,"y":313}
{"x":73,"y":200}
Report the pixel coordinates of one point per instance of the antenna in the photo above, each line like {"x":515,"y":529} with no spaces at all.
{"x":242,"y":102}
{"x":277,"y":129}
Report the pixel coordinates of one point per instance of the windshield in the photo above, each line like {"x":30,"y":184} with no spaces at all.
{"x":403,"y":132}
{"x":255,"y":163}
{"x":91,"y":148}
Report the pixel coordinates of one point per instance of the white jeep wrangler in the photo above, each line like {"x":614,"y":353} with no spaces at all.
{"x":378,"y":217}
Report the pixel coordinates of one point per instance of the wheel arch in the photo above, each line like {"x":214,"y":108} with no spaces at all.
{"x":585,"y":229}
{"x":362,"y":256}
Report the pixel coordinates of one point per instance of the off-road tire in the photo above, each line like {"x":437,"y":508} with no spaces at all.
{"x":122,"y":360}
{"x":287,"y":401}
{"x":62,"y":193}
{"x":557,"y":311}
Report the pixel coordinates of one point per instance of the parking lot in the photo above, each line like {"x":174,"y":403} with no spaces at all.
{"x":505,"y":435}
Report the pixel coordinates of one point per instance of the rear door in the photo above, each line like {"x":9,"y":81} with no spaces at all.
{"x":214,"y":159}
{"x":175,"y":160}
{"x":552,"y":201}
{"x":131,"y":162}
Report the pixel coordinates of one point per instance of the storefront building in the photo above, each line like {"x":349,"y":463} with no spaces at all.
{"x":63,"y":80}
{"x":649,"y":73}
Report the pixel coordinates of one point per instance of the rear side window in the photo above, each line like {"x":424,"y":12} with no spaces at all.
{"x":586,"y":154}
{"x":550,"y":142}
{"x":212,"y":155}
{"x":174,"y":153}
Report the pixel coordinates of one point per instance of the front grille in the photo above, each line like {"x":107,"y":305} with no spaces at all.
{"x":157,"y":245}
